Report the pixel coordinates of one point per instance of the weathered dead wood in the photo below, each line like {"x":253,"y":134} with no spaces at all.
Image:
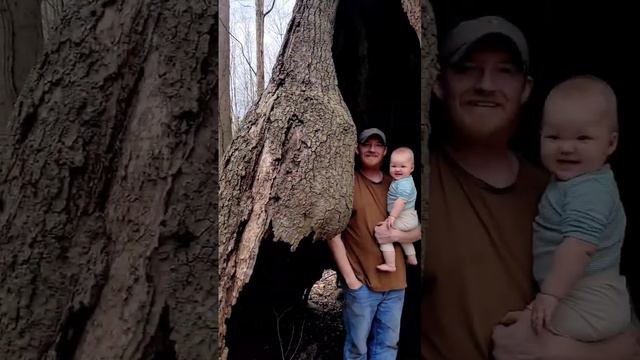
{"x":289,"y":175}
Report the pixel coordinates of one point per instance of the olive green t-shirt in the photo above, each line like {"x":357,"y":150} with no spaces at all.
{"x":363,"y":251}
{"x":478,"y":261}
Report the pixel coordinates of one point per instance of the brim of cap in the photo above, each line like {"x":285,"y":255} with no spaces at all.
{"x":369,"y":133}
{"x":462,"y":50}
{"x":370,"y":136}
{"x":467,"y":33}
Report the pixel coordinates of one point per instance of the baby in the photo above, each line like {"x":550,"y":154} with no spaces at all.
{"x":579,"y":230}
{"x":401,"y":201}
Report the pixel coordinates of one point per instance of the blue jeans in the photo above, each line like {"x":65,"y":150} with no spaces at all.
{"x":372,"y":323}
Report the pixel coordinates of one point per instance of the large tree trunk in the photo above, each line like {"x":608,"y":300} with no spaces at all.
{"x":107,"y":244}
{"x":20,"y":47}
{"x":289,"y":175}
{"x":226,"y":131}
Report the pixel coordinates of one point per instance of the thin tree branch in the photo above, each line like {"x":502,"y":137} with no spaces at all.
{"x":271,"y":8}
{"x":241,"y":47}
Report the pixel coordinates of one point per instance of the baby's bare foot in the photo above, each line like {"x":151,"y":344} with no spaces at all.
{"x":386,"y":267}
{"x":412,"y":260}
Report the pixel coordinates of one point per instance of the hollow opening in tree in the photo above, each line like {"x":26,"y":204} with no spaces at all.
{"x":267,"y":321}
{"x":377,"y":57}
{"x":565,"y":39}
{"x":380,"y":83}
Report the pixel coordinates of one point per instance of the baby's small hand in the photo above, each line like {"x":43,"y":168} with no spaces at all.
{"x":389,"y":222}
{"x":542,"y":309}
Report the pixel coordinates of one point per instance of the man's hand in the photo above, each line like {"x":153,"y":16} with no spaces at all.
{"x":386,"y":236}
{"x":383,"y":234}
{"x":512,"y":317}
{"x":542,"y":309}
{"x":517,"y":340}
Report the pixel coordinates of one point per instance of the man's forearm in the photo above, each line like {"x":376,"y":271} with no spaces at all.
{"x":340,"y":256}
{"x":569,"y":261}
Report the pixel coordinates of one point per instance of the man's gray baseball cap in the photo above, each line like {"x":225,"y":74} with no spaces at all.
{"x":468,"y":32}
{"x":367,"y":133}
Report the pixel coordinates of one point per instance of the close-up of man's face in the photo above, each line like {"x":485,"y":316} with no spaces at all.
{"x":484,"y":91}
{"x":371,"y":152}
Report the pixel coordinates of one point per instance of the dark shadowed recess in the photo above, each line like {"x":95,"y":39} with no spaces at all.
{"x":377,"y":58}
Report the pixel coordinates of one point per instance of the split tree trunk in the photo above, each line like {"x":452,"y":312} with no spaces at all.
{"x":428,"y":75}
{"x":107,"y":244}
{"x":226,"y":131}
{"x":20,"y":47}
{"x":289,"y":175}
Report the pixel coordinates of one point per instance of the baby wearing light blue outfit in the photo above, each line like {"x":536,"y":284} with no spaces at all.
{"x":580,"y":227}
{"x":588,"y":208}
{"x":401,"y":201}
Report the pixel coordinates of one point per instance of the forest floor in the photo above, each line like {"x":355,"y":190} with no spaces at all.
{"x":323,"y":335}
{"x":314,"y":331}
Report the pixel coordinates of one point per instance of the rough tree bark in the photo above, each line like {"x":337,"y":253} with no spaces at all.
{"x":51,"y":11}
{"x":259,"y":47}
{"x":226,"y":130}
{"x":107,"y":241}
{"x":288,"y":175}
{"x":413,"y":10}
{"x":20,"y":46}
